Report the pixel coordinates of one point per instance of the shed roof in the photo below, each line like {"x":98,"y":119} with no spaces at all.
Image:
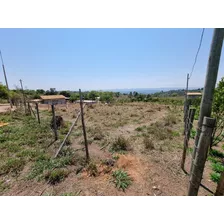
{"x":53,"y":97}
{"x":194,"y":94}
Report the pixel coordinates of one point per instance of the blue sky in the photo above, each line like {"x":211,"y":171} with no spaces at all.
{"x":104,"y":58}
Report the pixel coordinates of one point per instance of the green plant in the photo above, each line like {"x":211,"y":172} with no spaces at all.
{"x":121,"y":179}
{"x":120,"y":144}
{"x":13,"y":165}
{"x":92,"y":169}
{"x":193,"y":133}
{"x":216,"y":153}
{"x":56,"y":176}
{"x":141,"y":128}
{"x":217,"y":167}
{"x":215,"y":177}
{"x":175,"y":133}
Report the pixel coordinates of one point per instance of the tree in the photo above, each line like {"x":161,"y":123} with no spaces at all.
{"x":92,"y":95}
{"x":3,"y":92}
{"x":74,"y":96}
{"x":65,"y":93}
{"x":218,"y":113}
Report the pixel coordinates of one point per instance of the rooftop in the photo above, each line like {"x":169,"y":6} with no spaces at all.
{"x":194,"y":94}
{"x":53,"y":97}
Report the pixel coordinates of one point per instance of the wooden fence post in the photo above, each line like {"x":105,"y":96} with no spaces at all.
{"x":83,"y":126}
{"x":186,"y":109}
{"x":190,"y":120}
{"x":220,"y":187}
{"x":38,"y":115}
{"x":201,"y":156}
{"x":54,"y":122}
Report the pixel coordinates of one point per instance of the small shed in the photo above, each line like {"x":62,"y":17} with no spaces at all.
{"x":193,"y":95}
{"x":53,"y":99}
{"x":86,"y":101}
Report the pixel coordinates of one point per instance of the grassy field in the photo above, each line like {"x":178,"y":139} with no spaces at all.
{"x":135,"y":149}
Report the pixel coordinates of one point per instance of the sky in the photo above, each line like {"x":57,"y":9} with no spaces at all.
{"x":100,"y":59}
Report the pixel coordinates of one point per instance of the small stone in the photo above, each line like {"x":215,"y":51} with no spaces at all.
{"x":155,"y":188}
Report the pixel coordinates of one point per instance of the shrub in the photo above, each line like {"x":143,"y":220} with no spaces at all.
{"x":217,"y":167}
{"x":121,"y":179}
{"x":120,"y":144}
{"x":56,"y":176}
{"x":12,"y":165}
{"x":92,"y":169}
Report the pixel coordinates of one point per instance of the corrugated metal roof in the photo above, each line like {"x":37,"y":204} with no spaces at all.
{"x":53,"y":97}
{"x":194,"y":94}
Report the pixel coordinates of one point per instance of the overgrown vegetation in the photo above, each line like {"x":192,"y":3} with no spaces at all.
{"x":120,"y":144}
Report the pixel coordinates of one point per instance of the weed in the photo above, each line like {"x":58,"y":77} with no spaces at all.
{"x":115,"y":157}
{"x":141,"y":128}
{"x":175,"y":134}
{"x":120,"y":144}
{"x":170,"y":119}
{"x":121,"y":179}
{"x":3,"y":186}
{"x":44,"y":164}
{"x":92,"y":169}
{"x":216,"y":153}
{"x":56,"y":176}
{"x":217,"y":167}
{"x":13,"y":165}
{"x":215,"y":177}
{"x":148,"y":143}
{"x":193,"y":133}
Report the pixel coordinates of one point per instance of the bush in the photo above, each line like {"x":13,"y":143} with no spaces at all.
{"x":121,"y":179}
{"x":120,"y":144}
{"x":56,"y":176}
{"x":215,"y":177}
{"x":92,"y":169}
{"x":12,"y":165}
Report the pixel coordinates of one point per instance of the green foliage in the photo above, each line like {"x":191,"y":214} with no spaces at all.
{"x":56,"y":176}
{"x":215,"y":177}
{"x":3,"y":92}
{"x":216,"y":153}
{"x":217,"y":167}
{"x":13,"y":165}
{"x":121,"y":179}
{"x":141,"y":128}
{"x":175,"y":133}
{"x":120,"y":144}
{"x":193,"y":133}
{"x":47,"y":164}
{"x":92,"y":169}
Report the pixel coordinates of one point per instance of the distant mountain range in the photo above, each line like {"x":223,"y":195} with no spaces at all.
{"x":146,"y":90}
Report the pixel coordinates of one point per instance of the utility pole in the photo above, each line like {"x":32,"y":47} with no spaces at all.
{"x":23,"y":94}
{"x":186,"y":105}
{"x":6,"y":81}
{"x":210,"y":82}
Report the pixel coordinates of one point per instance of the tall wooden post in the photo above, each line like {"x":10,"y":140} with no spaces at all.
{"x":201,"y":155}
{"x":24,"y":99}
{"x":83,"y":126}
{"x":220,"y":187}
{"x":210,"y":82}
{"x":38,"y":115}
{"x":190,"y":120}
{"x":54,"y":122}
{"x":6,"y":81}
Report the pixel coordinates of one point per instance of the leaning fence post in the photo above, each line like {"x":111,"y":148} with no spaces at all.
{"x":201,"y":156}
{"x":54,"y":123}
{"x":83,"y":126}
{"x":38,"y":115}
{"x":186,"y":110}
{"x":220,"y":186}
{"x":190,"y":120}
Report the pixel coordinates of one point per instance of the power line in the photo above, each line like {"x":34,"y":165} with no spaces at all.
{"x":195,"y":60}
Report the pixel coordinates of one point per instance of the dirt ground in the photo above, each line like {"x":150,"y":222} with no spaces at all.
{"x":155,"y":171}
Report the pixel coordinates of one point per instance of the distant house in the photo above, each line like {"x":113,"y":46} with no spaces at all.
{"x":193,"y":95}
{"x":53,"y":99}
{"x":86,"y":101}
